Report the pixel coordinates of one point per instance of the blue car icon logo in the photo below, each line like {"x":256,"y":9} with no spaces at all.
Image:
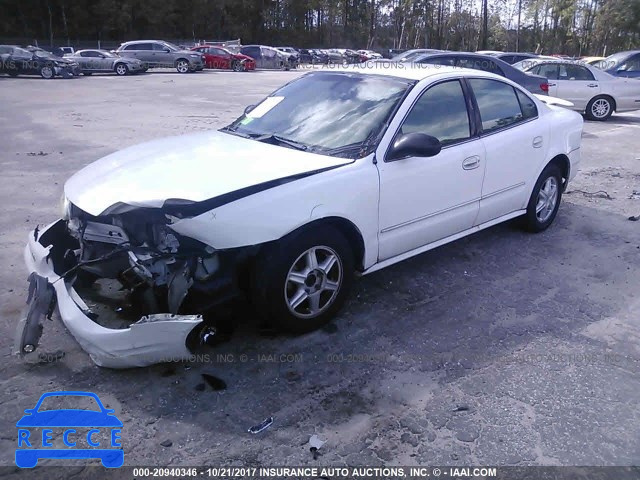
{"x":84,"y":433}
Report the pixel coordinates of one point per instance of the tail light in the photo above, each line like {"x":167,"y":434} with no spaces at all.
{"x":544,"y":87}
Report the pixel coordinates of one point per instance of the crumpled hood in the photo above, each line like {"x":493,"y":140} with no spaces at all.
{"x":193,"y":167}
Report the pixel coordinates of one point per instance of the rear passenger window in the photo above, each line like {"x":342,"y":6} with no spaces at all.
{"x":441,"y":112}
{"x":498,"y":104}
{"x":528,"y":106}
{"x":574,"y":72}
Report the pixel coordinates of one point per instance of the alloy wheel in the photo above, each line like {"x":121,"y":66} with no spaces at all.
{"x":601,"y":108}
{"x":313,"y":282}
{"x":547,"y":199}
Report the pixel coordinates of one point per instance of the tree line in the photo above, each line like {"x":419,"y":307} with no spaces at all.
{"x":572,"y":27}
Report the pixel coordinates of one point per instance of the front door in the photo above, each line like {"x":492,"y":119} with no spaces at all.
{"x":423,"y":200}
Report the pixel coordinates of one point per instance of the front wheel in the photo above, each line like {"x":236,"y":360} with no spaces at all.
{"x":599,"y":108}
{"x":545,"y":200}
{"x":303,"y":280}
{"x":121,"y":69}
{"x":47,"y":72}
{"x":182,"y":66}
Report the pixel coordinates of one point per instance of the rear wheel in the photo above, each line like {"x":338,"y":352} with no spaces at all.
{"x":545,"y":200}
{"x":599,"y":108}
{"x":87,"y":74}
{"x":302,"y":280}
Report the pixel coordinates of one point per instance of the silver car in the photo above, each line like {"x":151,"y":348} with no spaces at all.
{"x":267,"y":57}
{"x":102,"y":61}
{"x":161,"y":54}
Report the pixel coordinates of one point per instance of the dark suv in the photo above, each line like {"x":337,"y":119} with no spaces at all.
{"x":161,"y":54}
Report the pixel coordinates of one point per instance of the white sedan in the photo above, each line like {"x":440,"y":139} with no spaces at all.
{"x":337,"y":174}
{"x":592,"y":91}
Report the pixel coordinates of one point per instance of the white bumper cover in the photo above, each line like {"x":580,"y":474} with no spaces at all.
{"x":153,"y":339}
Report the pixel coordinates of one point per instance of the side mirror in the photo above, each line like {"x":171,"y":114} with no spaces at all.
{"x":249,"y":108}
{"x":414,"y":145}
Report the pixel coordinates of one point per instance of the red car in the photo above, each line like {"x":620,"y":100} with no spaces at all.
{"x":218,"y":57}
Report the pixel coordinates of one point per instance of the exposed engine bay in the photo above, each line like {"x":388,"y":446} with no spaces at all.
{"x":162,"y":270}
{"x":132,"y":291}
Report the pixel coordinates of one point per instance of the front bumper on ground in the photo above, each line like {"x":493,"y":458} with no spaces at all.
{"x":153,"y":339}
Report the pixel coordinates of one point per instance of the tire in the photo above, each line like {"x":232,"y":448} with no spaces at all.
{"x":121,"y":69}
{"x":545,"y":200}
{"x":47,"y":72}
{"x":87,"y":74}
{"x":238,"y":67}
{"x":182,"y":66}
{"x":599,"y":108}
{"x":285,"y":274}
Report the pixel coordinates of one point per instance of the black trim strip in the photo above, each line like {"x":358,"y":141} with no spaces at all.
{"x":184,"y":210}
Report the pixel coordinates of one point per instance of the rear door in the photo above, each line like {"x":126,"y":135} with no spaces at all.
{"x":576,"y":84}
{"x":515,"y":141}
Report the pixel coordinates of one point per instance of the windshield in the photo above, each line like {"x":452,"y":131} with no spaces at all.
{"x":613,"y":60}
{"x":407,"y":56}
{"x":326,"y":112}
{"x":172,"y":46}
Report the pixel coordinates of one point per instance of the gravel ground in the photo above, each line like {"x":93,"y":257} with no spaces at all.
{"x":503,"y":348}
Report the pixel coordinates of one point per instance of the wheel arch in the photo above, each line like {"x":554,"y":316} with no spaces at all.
{"x":563,"y":162}
{"x":348,"y":229}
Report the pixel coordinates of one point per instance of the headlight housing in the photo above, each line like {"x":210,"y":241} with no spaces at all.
{"x":65,"y":207}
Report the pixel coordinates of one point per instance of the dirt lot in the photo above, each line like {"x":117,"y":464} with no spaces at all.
{"x":502,"y":348}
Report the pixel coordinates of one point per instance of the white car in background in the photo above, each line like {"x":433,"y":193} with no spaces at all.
{"x":339,"y":173}
{"x":370,"y":54}
{"x":592,"y":91}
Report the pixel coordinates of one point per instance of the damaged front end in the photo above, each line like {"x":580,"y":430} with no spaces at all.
{"x":132,"y":291}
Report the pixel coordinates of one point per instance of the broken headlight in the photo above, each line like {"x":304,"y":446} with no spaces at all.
{"x":65,"y":207}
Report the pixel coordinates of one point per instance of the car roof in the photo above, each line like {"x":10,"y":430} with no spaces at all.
{"x":413,"y":72}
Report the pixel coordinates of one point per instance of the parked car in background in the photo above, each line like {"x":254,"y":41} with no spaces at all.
{"x":411,"y":55}
{"x":67,"y":51}
{"x":336,"y":55}
{"x":103,"y":61}
{"x":595,"y":61}
{"x":291,"y":51}
{"x":286,"y":205}
{"x":313,"y":56}
{"x":222,"y":58}
{"x":23,"y":61}
{"x":161,"y":54}
{"x":293,"y":59}
{"x":591,"y":90}
{"x":267,"y":57}
{"x":533,"y":83}
{"x":369,"y":54}
{"x":513,"y":57}
{"x":622,"y":64}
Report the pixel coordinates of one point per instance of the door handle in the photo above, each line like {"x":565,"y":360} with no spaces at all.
{"x":592,"y":85}
{"x":537,"y":142}
{"x":471,"y":162}
{"x":551,"y":84}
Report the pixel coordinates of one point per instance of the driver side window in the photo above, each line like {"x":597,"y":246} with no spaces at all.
{"x":441,"y":112}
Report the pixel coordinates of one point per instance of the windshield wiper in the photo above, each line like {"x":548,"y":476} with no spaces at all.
{"x":279,"y":140}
